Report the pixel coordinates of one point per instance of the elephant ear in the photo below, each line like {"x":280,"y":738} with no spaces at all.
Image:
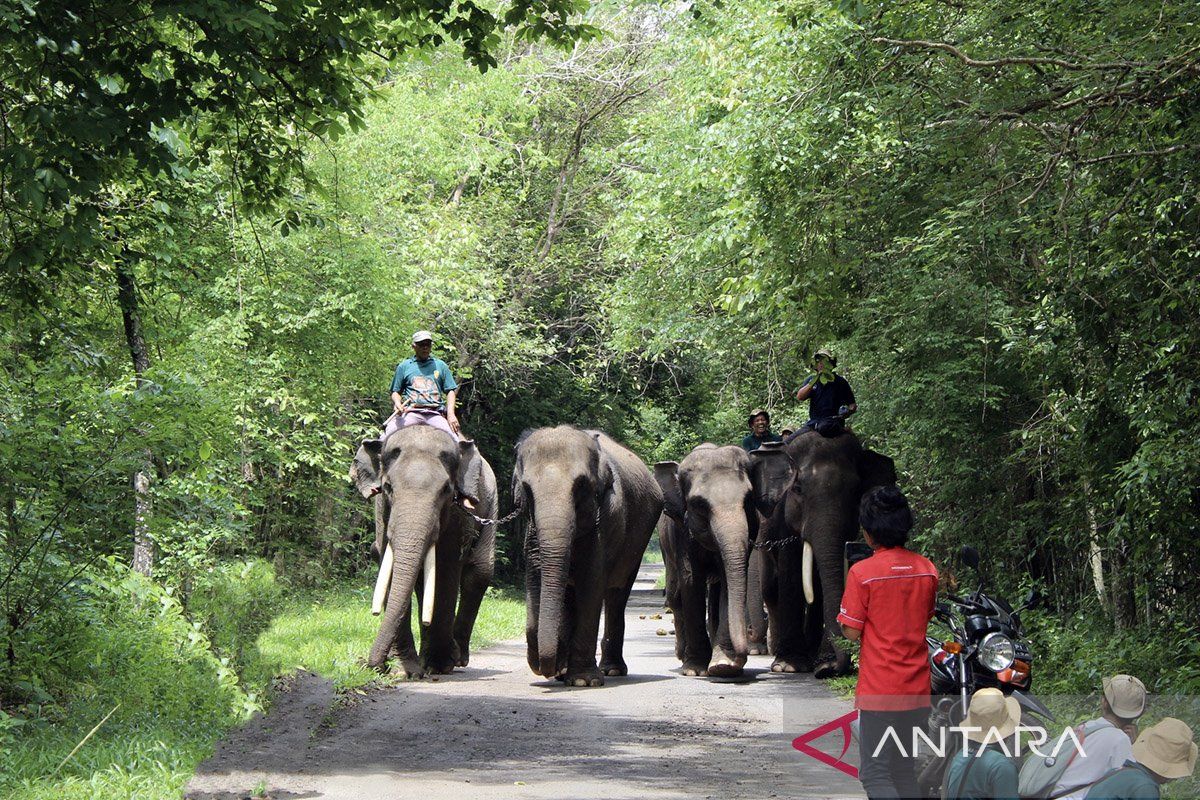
{"x":875,"y":469}
{"x":607,"y":474}
{"x":466,"y":478}
{"x":771,"y":473}
{"x":667,"y":475}
{"x":365,"y":471}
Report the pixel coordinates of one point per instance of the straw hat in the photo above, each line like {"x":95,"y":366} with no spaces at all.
{"x":1167,"y":748}
{"x":990,"y":709}
{"x":1126,"y":696}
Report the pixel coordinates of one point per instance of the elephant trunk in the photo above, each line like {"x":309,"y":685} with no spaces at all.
{"x":556,"y":533}
{"x":732,"y":532}
{"x":409,"y":540}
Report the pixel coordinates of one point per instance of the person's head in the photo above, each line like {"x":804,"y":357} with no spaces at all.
{"x":993,"y":716}
{"x":786,"y":432}
{"x":1167,"y":750}
{"x":422,"y":343}
{"x":1124,"y":699}
{"x":759,"y":421}
{"x":884,"y":514}
{"x":823,"y":359}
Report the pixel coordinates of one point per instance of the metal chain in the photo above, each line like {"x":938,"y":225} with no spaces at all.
{"x":775,"y":544}
{"x":489,"y":521}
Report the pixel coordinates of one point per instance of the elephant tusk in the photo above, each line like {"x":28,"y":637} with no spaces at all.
{"x":383,"y":582}
{"x":806,"y":573}
{"x":427,"y":597}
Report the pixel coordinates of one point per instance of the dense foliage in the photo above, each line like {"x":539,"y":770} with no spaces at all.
{"x":219,"y":225}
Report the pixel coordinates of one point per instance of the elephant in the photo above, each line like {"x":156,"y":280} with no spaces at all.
{"x":817,"y":482}
{"x":421,"y":479}
{"x":590,"y":505}
{"x":710,"y":520}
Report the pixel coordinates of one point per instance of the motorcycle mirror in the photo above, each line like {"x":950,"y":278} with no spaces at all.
{"x":969,"y":556}
{"x":1033,"y":599}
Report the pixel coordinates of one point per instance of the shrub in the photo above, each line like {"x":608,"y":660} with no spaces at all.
{"x":234,"y":603}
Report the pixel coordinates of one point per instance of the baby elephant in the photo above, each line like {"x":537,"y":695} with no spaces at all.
{"x":710,"y":519}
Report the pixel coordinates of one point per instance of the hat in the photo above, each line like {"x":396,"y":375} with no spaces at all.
{"x":1167,"y":749}
{"x":825,"y":354}
{"x":991,"y":710}
{"x":1126,"y":696}
{"x":422,"y":336}
{"x":756,"y":412}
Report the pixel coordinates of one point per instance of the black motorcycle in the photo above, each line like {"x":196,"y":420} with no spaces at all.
{"x":986,"y":648}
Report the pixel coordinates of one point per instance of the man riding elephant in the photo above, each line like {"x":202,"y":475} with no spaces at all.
{"x":423,"y":391}
{"x":830,"y":398}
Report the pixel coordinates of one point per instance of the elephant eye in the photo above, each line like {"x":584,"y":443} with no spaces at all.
{"x":387,"y":487}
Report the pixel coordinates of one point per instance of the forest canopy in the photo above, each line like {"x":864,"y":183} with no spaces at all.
{"x":220,"y":223}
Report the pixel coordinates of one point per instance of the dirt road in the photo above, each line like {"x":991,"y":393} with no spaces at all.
{"x":496,"y":730}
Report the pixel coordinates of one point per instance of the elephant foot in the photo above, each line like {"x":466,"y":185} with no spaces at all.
{"x":614,"y":669}
{"x":790,"y":665}
{"x":412,"y":668}
{"x":584,"y":677}
{"x":694,"y":669}
{"x":832,"y":668}
{"x":757,"y":649}
{"x":725,"y":666}
{"x":462,"y":655}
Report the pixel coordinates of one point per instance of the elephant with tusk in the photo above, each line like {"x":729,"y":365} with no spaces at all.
{"x":710,"y":520}
{"x":813,"y":503}
{"x":590,"y":507}
{"x":421,"y":480}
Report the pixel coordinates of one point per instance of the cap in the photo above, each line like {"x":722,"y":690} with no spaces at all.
{"x":1126,"y":696}
{"x":756,"y":412}
{"x":989,"y":710}
{"x":826,"y":354}
{"x":1167,"y":748}
{"x":422,"y":336}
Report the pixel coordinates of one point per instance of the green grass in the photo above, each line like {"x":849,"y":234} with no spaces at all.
{"x":332,"y":633}
{"x":149,"y":749}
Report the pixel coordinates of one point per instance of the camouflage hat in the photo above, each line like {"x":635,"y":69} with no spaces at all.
{"x":755,"y":413}
{"x":826,"y":354}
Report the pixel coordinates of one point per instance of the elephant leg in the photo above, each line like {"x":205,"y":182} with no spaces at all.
{"x":832,"y":660}
{"x":475,"y":582}
{"x":791,"y":653}
{"x":757,"y":616}
{"x":584,"y":617}
{"x":724,"y":663}
{"x":437,"y":640}
{"x":770,"y":591}
{"x":691,"y":619}
{"x":612,"y":647}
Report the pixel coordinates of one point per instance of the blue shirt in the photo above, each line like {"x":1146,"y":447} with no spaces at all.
{"x":423,"y":384}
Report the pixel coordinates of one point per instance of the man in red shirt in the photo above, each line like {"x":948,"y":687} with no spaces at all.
{"x":887,"y":605}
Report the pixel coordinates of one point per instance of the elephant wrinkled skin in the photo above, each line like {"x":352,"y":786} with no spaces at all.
{"x":590,"y":507}
{"x":816,"y":488}
{"x":709,"y":521}
{"x":418,"y":476}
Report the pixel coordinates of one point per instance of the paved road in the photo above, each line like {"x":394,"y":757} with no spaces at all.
{"x":496,"y":730}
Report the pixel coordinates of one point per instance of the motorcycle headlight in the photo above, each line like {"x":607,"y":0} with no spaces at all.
{"x":996,"y":652}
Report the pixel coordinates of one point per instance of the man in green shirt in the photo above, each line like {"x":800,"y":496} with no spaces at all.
{"x":423,"y":390}
{"x":760,"y":431}
{"x":1164,"y":753}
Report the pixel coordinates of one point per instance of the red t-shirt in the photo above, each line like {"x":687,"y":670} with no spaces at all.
{"x":890,"y":597}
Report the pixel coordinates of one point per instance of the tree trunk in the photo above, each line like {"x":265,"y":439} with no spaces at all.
{"x":143,"y":546}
